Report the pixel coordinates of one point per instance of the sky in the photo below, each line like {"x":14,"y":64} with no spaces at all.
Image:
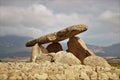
{"x":34,"y":18}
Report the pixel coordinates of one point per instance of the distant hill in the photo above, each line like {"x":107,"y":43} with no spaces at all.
{"x":96,"y":49}
{"x":11,"y":46}
{"x":113,"y":50}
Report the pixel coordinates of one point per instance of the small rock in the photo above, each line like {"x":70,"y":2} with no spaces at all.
{"x":102,"y":76}
{"x":113,"y":76}
{"x":3,"y":77}
{"x":42,"y":76}
{"x":107,"y":69}
{"x":84,"y":76}
{"x":15,"y":75}
{"x":117,"y":71}
{"x":60,"y":76}
{"x":93,"y":76}
{"x":70,"y":75}
{"x":43,"y":58}
{"x":52,"y":77}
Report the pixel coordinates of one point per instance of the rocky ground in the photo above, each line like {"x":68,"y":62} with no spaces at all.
{"x":55,"y":71}
{"x":64,"y":67}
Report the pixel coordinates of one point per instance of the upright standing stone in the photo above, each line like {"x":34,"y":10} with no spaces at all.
{"x":78,"y":48}
{"x":36,"y":51}
{"x":54,"y":47}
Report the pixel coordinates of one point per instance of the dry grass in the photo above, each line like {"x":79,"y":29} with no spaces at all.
{"x":115,"y":64}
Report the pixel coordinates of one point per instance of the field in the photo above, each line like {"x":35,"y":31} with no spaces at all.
{"x":115,"y":65}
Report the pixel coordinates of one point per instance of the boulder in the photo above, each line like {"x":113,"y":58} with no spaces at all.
{"x":58,"y":36}
{"x":78,"y":48}
{"x":66,"y":58}
{"x":36,"y":51}
{"x":95,"y":61}
{"x":54,"y":47}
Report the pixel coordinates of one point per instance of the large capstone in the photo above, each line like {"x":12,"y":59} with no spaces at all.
{"x":58,"y":36}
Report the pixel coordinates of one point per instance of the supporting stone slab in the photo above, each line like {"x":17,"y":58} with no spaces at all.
{"x":78,"y":48}
{"x":36,"y":51}
{"x":54,"y":47}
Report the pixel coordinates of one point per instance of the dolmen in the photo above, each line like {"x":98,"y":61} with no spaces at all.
{"x":76,"y":45}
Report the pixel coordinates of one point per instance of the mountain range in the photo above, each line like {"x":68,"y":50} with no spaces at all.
{"x":14,"y":46}
{"x":112,"y":50}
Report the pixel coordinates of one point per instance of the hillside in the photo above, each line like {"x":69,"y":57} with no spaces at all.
{"x":113,"y":50}
{"x":11,"y":46}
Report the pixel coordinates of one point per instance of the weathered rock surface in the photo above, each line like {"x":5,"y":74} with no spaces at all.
{"x":36,"y":51}
{"x":54,"y":71}
{"x":96,"y":61}
{"x":54,"y":47}
{"x":58,"y":36}
{"x":44,"y":57}
{"x":78,"y":48}
{"x":61,"y":57}
{"x":66,"y":58}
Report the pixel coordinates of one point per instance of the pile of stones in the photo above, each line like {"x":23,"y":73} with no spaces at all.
{"x":75,"y":45}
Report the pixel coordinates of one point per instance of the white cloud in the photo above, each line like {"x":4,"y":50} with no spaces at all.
{"x":29,"y":18}
{"x":110,"y":17}
{"x":20,"y":31}
{"x":35,"y":20}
